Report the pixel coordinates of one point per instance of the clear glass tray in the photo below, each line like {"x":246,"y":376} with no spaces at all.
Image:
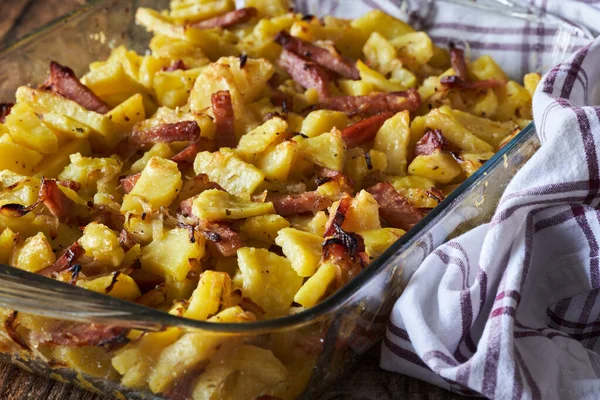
{"x":318,"y":344}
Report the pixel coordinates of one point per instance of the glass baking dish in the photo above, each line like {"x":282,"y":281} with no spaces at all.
{"x":316,"y":346}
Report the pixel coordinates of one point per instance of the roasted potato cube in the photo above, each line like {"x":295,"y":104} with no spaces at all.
{"x":94,"y":361}
{"x":206,"y":299}
{"x":33,"y":255}
{"x":378,"y":240}
{"x":190,"y":350}
{"x":247,"y":357}
{"x":302,"y":249}
{"x":267,"y":279}
{"x":315,"y":288}
{"x":103,"y":134}
{"x":102,"y":244}
{"x":363,"y":213}
{"x":93,"y":174}
{"x":113,"y":85}
{"x":531,"y":81}
{"x":217,"y":205}
{"x":128,"y":113}
{"x":136,"y":361}
{"x":226,"y":169}
{"x":440,"y":167}
{"x":158,"y":23}
{"x":162,"y":150}
{"x":492,"y":132}
{"x":116,"y":285}
{"x":379,"y":21}
{"x":414,"y":47}
{"x":172,"y":88}
{"x":379,"y":53}
{"x":327,"y":150}
{"x":317,"y":223}
{"x":322,"y":121}
{"x":172,"y":254}
{"x":442,"y":119}
{"x":55,"y":163}
{"x":355,"y":88}
{"x":360,"y":164}
{"x":158,"y":185}
{"x":393,"y":138}
{"x":263,"y":227}
{"x":8,"y":240}
{"x":276,"y":161}
{"x":27,"y":129}
{"x":486,"y":68}
{"x":380,"y":83}
{"x":165,"y":50}
{"x":260,"y":138}
{"x":185,"y":11}
{"x":270,"y":8}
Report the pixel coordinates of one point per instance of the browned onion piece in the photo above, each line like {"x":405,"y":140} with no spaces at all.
{"x":65,"y":261}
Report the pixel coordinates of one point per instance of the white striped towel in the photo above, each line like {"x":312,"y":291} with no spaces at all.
{"x":511,"y":309}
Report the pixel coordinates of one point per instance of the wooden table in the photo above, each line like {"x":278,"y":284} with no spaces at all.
{"x":17,"y":18}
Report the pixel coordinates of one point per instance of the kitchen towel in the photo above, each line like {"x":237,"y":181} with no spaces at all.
{"x":511,"y":309}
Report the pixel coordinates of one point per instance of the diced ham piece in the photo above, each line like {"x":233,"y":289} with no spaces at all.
{"x":4,"y":111}
{"x":78,"y":334}
{"x":325,"y":175}
{"x":461,"y":79}
{"x":431,"y":142}
{"x":220,"y":237}
{"x":73,"y":185}
{"x":293,"y":204}
{"x":188,"y":154}
{"x":365,"y":130}
{"x":328,"y":58}
{"x":224,"y":119}
{"x":337,"y":219}
{"x":226,"y":20}
{"x":65,"y":261}
{"x":128,"y":182}
{"x":458,"y":62}
{"x":394,"y":208}
{"x":56,"y":201}
{"x":166,"y":133}
{"x":454,"y":82}
{"x":146,"y":281}
{"x":374,"y":103}
{"x":126,"y":240}
{"x":62,"y":80}
{"x":179,"y":64}
{"x":306,"y":73}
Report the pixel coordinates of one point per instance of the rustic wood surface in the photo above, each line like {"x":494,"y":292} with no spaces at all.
{"x":19,"y":17}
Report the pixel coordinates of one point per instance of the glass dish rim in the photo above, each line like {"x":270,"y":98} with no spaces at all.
{"x":332,"y":303}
